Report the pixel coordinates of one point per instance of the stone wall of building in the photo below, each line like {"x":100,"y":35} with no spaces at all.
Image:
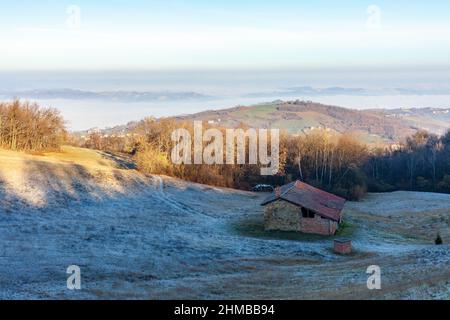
{"x":285,"y":216}
{"x":282,"y":215}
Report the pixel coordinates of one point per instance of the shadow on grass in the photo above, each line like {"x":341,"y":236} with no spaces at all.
{"x":254,"y":227}
{"x":121,"y":161}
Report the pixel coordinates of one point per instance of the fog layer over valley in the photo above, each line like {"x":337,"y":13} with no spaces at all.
{"x":114,"y":98}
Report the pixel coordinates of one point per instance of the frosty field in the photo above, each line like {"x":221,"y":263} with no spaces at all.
{"x":141,"y":237}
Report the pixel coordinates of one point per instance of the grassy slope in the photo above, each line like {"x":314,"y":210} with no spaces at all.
{"x":38,"y":180}
{"x":90,"y":159}
{"x":308,"y":119}
{"x":188,"y":240}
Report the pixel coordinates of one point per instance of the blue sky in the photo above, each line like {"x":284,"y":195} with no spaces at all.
{"x":54,"y":35}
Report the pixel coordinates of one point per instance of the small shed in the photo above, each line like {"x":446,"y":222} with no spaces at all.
{"x":298,"y":206}
{"x":343,"y":246}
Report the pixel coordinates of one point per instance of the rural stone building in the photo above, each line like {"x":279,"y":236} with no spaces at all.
{"x":298,"y":206}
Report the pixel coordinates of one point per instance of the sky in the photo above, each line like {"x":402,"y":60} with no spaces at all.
{"x":201,"y":34}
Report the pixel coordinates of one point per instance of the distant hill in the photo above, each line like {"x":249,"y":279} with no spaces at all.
{"x":297,"y":117}
{"x":431,"y":119}
{"x":336,"y":91}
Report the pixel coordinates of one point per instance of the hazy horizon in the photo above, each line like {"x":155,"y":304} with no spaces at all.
{"x":225,"y":89}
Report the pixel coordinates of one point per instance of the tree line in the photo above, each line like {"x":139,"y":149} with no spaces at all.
{"x":421,"y":163}
{"x":28,"y":127}
{"x":335,"y":162}
{"x":338,"y":163}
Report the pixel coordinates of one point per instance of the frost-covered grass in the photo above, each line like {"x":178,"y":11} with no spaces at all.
{"x":418,"y":216}
{"x":145,"y":237}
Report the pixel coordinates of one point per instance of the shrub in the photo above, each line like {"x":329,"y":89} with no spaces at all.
{"x":357,"y":192}
{"x":438,"y":239}
{"x":352,"y":186}
{"x":152,"y":161}
{"x":444,"y":185}
{"x":380,"y":186}
{"x":423,"y":184}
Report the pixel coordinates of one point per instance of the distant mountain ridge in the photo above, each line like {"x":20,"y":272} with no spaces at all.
{"x":163,"y":95}
{"x":334,"y":91}
{"x":122,"y":96}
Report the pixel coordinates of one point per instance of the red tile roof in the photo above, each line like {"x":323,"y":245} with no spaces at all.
{"x":302,"y":194}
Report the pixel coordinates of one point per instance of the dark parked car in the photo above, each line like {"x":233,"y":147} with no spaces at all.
{"x":263,"y":188}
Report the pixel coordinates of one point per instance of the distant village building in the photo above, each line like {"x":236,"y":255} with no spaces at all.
{"x":94,"y":131}
{"x":298,"y":206}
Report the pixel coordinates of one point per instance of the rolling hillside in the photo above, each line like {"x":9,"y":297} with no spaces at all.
{"x":373,"y":126}
{"x":152,"y":237}
{"x":430,"y":119}
{"x":302,"y":116}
